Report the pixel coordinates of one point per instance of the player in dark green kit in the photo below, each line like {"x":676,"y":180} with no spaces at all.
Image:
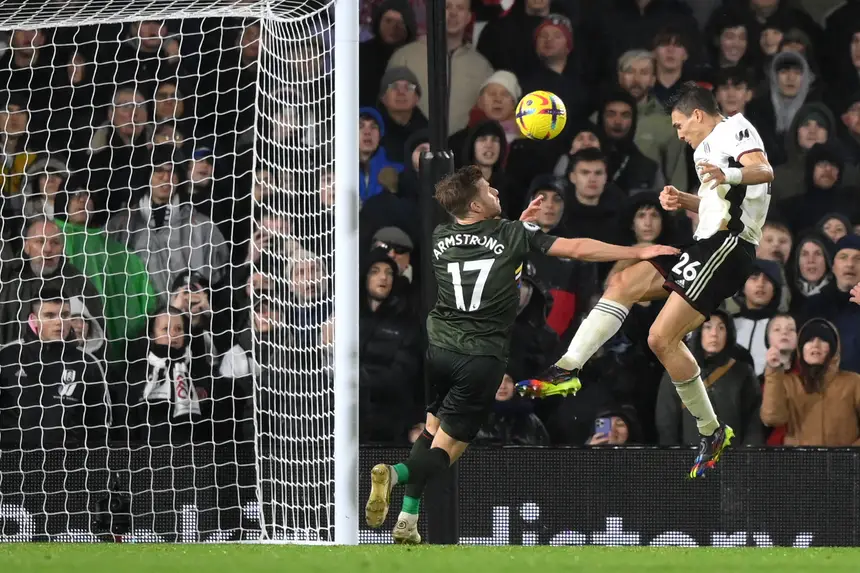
{"x":477,"y":261}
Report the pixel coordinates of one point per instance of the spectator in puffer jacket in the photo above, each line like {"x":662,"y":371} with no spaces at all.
{"x":732,"y":387}
{"x":389,"y":357}
{"x":819,"y":403}
{"x":760,"y":302}
{"x":164,"y":229}
{"x":378,"y":173}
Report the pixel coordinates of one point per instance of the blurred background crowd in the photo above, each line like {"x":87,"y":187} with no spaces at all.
{"x":136,"y":224}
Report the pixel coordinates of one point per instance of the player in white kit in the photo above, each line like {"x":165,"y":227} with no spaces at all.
{"x":732,"y":204}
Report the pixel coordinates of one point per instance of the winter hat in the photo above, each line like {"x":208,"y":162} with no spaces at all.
{"x":834,"y":215}
{"x":547,"y":182}
{"x":393,"y":236}
{"x":398,"y":74}
{"x":849,"y":241}
{"x":507,"y":80}
{"x":371,"y":113}
{"x":807,"y":113}
{"x":789,"y":60}
{"x":562,"y":23}
{"x":818,"y":328}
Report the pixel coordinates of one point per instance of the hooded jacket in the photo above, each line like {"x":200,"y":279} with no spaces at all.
{"x":829,"y":417}
{"x":751,"y":325}
{"x":802,"y":288}
{"x":789,"y":177}
{"x":733,"y":389}
{"x":628,"y":167}
{"x":369,"y":173}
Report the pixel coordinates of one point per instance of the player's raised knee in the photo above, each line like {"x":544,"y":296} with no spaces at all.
{"x":658,"y":342}
{"x":627,"y":286}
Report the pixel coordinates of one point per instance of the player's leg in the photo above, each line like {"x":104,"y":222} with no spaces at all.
{"x":637,"y":283}
{"x":666,"y":339}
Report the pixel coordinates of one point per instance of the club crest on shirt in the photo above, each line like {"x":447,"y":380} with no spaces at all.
{"x":742,"y":134}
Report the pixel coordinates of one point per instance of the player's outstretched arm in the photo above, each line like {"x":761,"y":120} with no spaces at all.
{"x":599,"y":252}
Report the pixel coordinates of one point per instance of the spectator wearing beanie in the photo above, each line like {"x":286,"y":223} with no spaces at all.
{"x":834,"y":301}
{"x":811,"y":270}
{"x":399,"y":94}
{"x":497,"y":102}
{"x":814,"y":123}
{"x":393,"y":26}
{"x":820,"y":402}
{"x":834,"y":226}
{"x":467,"y":69}
{"x":558,"y":72}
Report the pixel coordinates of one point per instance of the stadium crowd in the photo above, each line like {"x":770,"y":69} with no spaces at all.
{"x":136,"y":225}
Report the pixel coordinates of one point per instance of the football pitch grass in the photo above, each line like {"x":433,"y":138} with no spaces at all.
{"x":119,"y":558}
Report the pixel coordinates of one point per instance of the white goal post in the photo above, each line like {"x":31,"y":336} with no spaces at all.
{"x":155,"y":154}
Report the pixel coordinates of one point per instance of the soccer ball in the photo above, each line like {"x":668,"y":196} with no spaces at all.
{"x":541,"y":115}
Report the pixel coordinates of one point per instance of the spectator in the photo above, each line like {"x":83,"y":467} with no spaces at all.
{"x":508,"y":42}
{"x":775,"y":243}
{"x":169,"y":107}
{"x":773,"y":112}
{"x":497,"y":101}
{"x":119,"y":276}
{"x":812,"y":269}
{"x":833,"y":302}
{"x":189,"y":294}
{"x":399,"y":246}
{"x":851,"y":119}
{"x":408,"y":184}
{"x":813,"y":124}
{"x":834,"y":226}
{"x":15,"y":144}
{"x":168,"y":393}
{"x":586,"y":134}
{"x":730,"y":41}
{"x":760,"y":303}
{"x":615,"y":427}
{"x":819,"y":402}
{"x":595,"y":206}
{"x":824,"y":192}
{"x":378,"y":173}
{"x":732,"y":90}
{"x":86,"y":329}
{"x":309,"y":305}
{"x":512,"y":421}
{"x":72,"y":113}
{"x":393,"y":26}
{"x":120,"y":150}
{"x":628,"y":168}
{"x":399,"y":95}
{"x":782,"y":335}
{"x":671,"y":52}
{"x":389,"y":356}
{"x":216,"y":206}
{"x":26,"y":70}
{"x":467,"y":69}
{"x":166,"y":232}
{"x":45,"y":266}
{"x":52,"y":394}
{"x":485,"y":146}
{"x":42,"y":181}
{"x":558,"y":72}
{"x":732,"y":387}
{"x":654,"y":135}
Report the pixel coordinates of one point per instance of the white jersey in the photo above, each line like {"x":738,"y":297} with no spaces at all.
{"x":743,"y":208}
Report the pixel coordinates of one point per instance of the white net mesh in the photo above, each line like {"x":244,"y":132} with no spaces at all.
{"x":166,"y":306}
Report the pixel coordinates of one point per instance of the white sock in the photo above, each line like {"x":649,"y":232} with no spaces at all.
{"x":410,"y":518}
{"x":695,"y":397}
{"x":600,"y":325}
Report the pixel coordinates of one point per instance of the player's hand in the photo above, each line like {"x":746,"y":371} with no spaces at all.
{"x":670,"y":198}
{"x":773,"y":358}
{"x":531,"y":212}
{"x":711,"y":174}
{"x":855,"y":294}
{"x":652,"y":251}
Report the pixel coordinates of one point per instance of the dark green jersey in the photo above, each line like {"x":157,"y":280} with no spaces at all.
{"x":477,"y":270}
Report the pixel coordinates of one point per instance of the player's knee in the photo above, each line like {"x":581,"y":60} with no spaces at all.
{"x":626,"y":286}
{"x":658,"y":342}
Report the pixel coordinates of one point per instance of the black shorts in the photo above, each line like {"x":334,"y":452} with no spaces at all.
{"x":708,"y":271}
{"x":461,"y":390}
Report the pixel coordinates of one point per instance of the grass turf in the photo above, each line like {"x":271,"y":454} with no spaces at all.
{"x":110,"y":558}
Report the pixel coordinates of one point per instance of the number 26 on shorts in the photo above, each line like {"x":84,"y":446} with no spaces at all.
{"x":685,"y":269}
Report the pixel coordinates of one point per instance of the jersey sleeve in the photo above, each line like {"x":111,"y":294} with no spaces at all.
{"x":532,"y":238}
{"x":742,"y":139}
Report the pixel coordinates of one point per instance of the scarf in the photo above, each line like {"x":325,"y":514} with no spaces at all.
{"x":167,"y":379}
{"x":157,"y":217}
{"x":807,"y":288}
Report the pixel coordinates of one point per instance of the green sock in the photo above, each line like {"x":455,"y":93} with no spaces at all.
{"x":402,"y":473}
{"x":410,"y":505}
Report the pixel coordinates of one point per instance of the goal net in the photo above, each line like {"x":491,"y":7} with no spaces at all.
{"x":167,"y":303}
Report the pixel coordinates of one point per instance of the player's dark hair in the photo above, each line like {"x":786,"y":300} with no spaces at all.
{"x":456,"y":191}
{"x":586,"y":154}
{"x":692,"y":96}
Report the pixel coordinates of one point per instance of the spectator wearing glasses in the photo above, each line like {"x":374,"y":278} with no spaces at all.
{"x":399,"y":246}
{"x":399,"y":94}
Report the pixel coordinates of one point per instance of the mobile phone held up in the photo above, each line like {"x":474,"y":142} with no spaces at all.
{"x":602,"y":426}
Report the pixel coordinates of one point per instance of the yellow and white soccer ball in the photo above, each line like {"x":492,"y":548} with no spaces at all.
{"x":541,"y":115}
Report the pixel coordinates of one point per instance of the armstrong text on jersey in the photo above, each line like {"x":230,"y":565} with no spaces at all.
{"x":463,"y":240}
